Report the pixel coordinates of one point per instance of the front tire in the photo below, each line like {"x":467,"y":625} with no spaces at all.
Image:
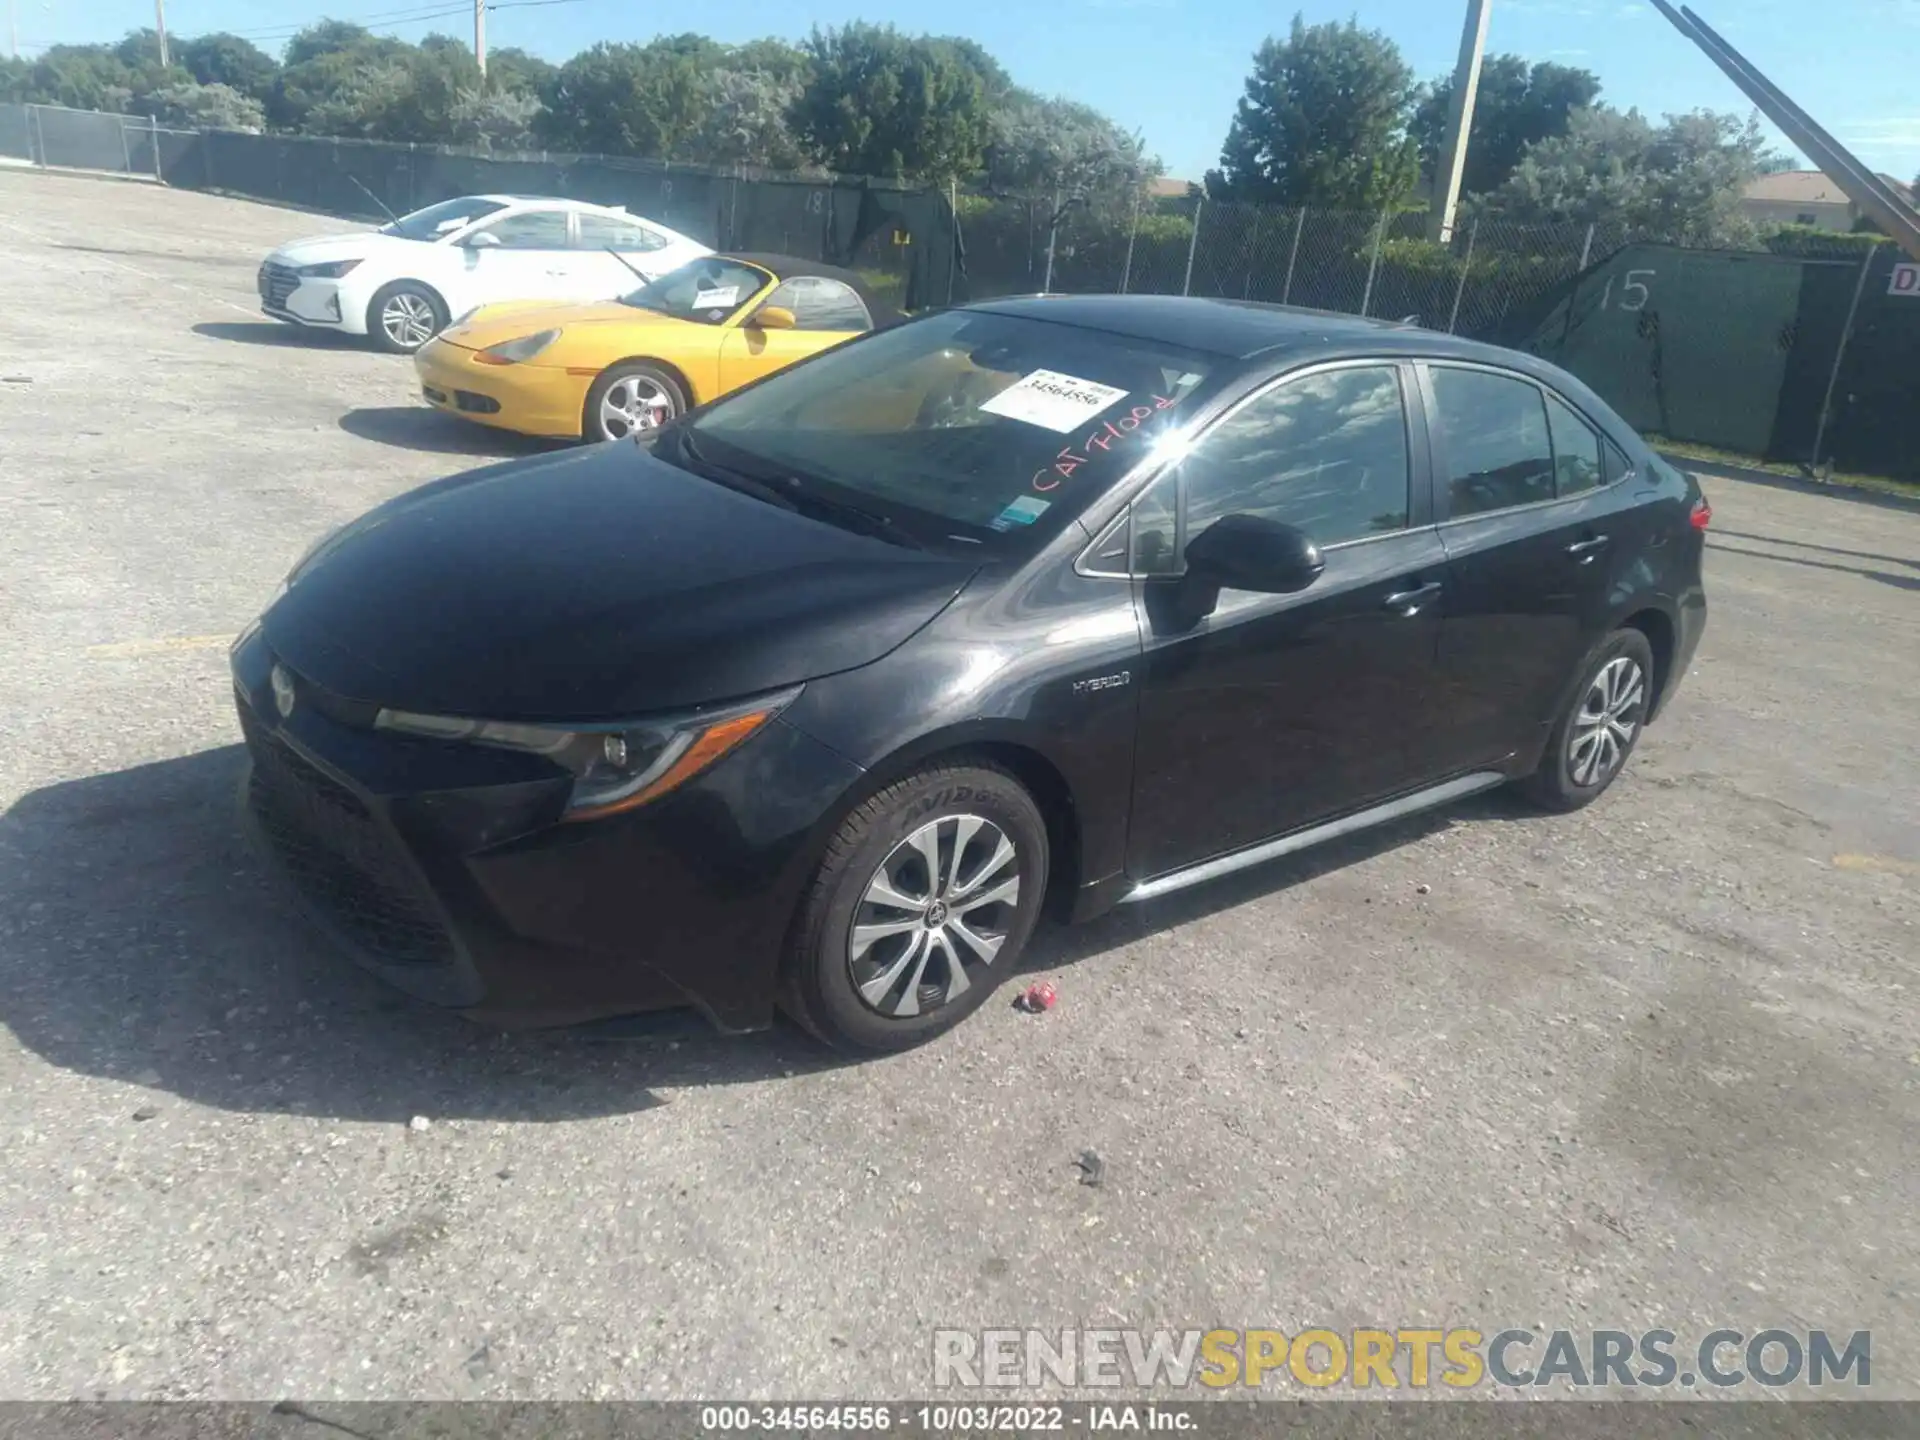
{"x":922,"y":905}
{"x":403,"y":316}
{"x":1602,"y":723}
{"x":630,"y":399}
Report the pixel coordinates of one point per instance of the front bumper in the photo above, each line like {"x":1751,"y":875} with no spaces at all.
{"x":443,"y":868}
{"x":541,"y":400}
{"x":287,"y":295}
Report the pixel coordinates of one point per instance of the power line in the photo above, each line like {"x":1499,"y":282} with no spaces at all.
{"x":390,"y":17}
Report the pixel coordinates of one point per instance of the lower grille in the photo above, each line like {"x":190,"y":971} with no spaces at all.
{"x":475,"y":404}
{"x":339,"y":856}
{"x":277,"y":283}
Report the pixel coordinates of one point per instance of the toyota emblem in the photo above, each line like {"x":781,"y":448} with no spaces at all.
{"x":283,"y":692}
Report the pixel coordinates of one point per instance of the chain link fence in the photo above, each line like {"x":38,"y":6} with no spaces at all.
{"x":1486,"y":281}
{"x":1802,"y":350}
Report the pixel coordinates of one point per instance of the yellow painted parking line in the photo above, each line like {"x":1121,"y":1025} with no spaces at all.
{"x":1887,"y":864}
{"x":130,"y":649}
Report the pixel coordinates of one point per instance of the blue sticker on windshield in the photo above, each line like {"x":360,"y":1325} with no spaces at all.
{"x":1024,"y":511}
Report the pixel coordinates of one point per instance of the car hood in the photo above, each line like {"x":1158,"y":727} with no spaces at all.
{"x":318,"y":249}
{"x":497,"y":324}
{"x":594,"y":585}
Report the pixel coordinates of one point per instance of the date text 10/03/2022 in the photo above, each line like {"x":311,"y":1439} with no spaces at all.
{"x":945,"y":1419}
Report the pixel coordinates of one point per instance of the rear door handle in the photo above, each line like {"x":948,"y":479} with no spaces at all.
{"x":1586,"y":551}
{"x":1408,"y":603}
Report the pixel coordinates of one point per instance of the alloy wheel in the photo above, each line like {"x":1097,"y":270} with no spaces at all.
{"x":634,"y":403}
{"x":1609,"y":717}
{"x":408,"y":320}
{"x":939,"y":906}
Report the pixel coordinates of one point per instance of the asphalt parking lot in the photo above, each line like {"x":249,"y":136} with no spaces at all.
{"x":1655,"y":1064}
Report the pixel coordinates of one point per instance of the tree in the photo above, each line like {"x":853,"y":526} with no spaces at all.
{"x":882,"y":103}
{"x":84,"y":77}
{"x":746,"y":121}
{"x":631,"y":99}
{"x":209,"y":107}
{"x":222,"y":59}
{"x":1040,"y":146}
{"x":1323,"y":122}
{"x":16,"y":80}
{"x":1683,"y":181}
{"x":336,"y":75}
{"x":1517,"y":105}
{"x":513,"y":71}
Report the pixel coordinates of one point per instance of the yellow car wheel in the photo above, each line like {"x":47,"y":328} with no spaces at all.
{"x":631,"y":398}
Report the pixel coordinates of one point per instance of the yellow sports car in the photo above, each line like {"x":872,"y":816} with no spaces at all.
{"x":604,"y":371}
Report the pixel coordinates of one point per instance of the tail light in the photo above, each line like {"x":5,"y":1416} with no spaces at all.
{"x":1702,"y":515}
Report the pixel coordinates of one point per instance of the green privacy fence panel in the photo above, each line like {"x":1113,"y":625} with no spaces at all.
{"x":1737,"y":351}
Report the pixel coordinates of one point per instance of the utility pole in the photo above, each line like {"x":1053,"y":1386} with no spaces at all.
{"x":160,"y":28}
{"x":480,"y":35}
{"x":13,"y":28}
{"x":1452,"y":164}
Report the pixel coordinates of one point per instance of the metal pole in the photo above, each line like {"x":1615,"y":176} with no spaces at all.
{"x":160,"y":28}
{"x":1840,"y":355}
{"x":1452,"y":168}
{"x":13,"y":28}
{"x":1053,"y":229}
{"x":154,"y":136}
{"x":1466,"y":268}
{"x":36,"y":131}
{"x":1379,"y":238}
{"x":1299,"y":226}
{"x":126,"y":150}
{"x":953,"y":232}
{"x":1586,"y":251}
{"x":1133,"y":232}
{"x":1193,"y":243}
{"x":480,"y":35}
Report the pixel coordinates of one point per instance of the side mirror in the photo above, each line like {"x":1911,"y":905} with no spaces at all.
{"x":484,"y":240}
{"x":1251,"y":552}
{"x":774,"y":317}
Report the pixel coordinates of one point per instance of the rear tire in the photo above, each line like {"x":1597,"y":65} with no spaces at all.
{"x":630,"y":399}
{"x":403,"y":316}
{"x":1596,"y":734}
{"x":921,"y":907}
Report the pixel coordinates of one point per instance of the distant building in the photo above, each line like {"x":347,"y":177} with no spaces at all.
{"x":1807,"y":197}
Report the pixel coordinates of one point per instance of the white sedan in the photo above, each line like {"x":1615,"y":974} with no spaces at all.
{"x":403,"y":283}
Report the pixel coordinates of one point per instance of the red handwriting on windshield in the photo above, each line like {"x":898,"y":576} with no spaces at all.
{"x":1049,"y":477}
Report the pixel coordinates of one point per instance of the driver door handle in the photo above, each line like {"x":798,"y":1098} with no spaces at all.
{"x":1586,"y":551}
{"x":1408,"y":603}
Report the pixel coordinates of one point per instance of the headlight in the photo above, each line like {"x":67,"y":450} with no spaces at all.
{"x":512,"y":352}
{"x":615,"y":767}
{"x":332,"y":270}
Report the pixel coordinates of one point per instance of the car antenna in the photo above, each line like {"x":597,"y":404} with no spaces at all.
{"x":375,"y":199}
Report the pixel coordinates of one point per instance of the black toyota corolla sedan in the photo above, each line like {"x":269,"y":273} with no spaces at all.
{"x":821,"y":697}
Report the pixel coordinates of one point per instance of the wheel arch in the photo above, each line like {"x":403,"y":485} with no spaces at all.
{"x":1662,"y":634}
{"x":1002,"y":746}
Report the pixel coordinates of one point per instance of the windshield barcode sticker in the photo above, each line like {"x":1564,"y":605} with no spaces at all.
{"x":721,"y":296}
{"x":1053,"y":401}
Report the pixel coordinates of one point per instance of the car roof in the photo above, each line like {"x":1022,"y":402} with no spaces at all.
{"x":1232,"y":329}
{"x":556,"y":202}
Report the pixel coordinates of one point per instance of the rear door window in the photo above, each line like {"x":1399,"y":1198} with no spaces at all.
{"x":1576,"y":450}
{"x":1495,"y":447}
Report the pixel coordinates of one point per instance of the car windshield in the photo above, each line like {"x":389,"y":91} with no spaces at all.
{"x":707,"y":290}
{"x":442,"y":219}
{"x":963,"y":428}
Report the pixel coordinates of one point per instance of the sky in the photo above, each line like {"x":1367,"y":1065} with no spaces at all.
{"x":1174,"y":69}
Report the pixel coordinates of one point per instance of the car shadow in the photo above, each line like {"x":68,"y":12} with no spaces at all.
{"x":419,"y":427}
{"x":146,"y":944}
{"x":274,"y":332}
